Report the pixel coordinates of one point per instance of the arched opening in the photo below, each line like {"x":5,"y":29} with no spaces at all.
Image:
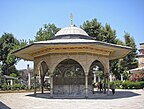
{"x":96,"y":77}
{"x":69,"y":78}
{"x":43,"y":76}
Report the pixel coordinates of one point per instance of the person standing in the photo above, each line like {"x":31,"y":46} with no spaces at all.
{"x":97,"y":86}
{"x":113,"y":88}
{"x":101,"y":87}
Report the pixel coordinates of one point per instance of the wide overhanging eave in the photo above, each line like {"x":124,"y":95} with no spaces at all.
{"x":25,"y":52}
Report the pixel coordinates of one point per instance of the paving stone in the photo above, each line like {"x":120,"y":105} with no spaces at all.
{"x":123,"y":99}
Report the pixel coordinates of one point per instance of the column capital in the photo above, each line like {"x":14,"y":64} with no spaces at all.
{"x":86,"y":73}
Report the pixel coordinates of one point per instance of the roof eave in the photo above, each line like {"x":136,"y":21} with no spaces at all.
{"x":128,"y":49}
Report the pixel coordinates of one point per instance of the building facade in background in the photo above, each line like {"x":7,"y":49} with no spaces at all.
{"x":138,"y":73}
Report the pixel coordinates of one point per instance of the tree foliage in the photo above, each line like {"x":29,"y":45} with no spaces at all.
{"x":7,"y":45}
{"x":130,"y":59}
{"x":99,"y":32}
{"x":109,"y":35}
{"x":47,"y":32}
{"x":93,"y":28}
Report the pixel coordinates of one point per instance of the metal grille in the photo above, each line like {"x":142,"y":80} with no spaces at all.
{"x":69,"y":80}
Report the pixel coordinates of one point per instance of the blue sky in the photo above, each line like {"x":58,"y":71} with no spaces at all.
{"x":23,"y":18}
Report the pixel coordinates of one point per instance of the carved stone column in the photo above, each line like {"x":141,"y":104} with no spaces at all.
{"x":29,"y":77}
{"x":51,"y":86}
{"x":35,"y":84}
{"x":108,"y":85}
{"x":108,"y":79}
{"x":86,"y":85}
{"x":35,"y":74}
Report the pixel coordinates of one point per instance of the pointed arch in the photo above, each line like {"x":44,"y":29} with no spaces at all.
{"x":96,"y":73}
{"x":69,"y":65}
{"x":43,"y":71}
{"x":96,"y":64}
{"x":68,"y":78}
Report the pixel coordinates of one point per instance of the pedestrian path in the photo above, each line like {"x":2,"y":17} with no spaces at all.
{"x":119,"y":94}
{"x":123,"y":99}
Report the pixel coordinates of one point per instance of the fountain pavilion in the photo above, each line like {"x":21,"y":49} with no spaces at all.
{"x":73,"y":61}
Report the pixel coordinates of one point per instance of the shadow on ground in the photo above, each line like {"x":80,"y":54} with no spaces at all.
{"x":118,"y":95}
{"x":3,"y":106}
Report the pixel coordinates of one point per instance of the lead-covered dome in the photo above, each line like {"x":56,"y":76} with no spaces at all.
{"x":71,"y":30}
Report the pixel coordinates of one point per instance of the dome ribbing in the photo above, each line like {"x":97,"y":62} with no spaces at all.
{"x":71,"y":31}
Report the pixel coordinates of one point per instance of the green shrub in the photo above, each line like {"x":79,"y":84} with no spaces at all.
{"x":16,"y":86}
{"x":133,"y":85}
{"x":13,"y":87}
{"x":129,"y":84}
{"x":23,"y":87}
{"x":4,"y":87}
{"x":117,"y":83}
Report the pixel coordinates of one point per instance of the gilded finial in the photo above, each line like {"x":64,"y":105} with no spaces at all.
{"x":71,"y":17}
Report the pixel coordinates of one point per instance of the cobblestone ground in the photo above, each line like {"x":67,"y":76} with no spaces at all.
{"x":123,"y":99}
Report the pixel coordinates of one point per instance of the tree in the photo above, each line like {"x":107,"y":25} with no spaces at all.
{"x":47,"y":32}
{"x":116,"y":67}
{"x":99,"y":32}
{"x":93,"y":28}
{"x":7,"y":45}
{"x":130,"y":59}
{"x":22,"y":43}
{"x":109,"y":35}
{"x":123,"y":65}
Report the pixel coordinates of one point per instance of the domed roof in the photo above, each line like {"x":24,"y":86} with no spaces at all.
{"x":72,"y":30}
